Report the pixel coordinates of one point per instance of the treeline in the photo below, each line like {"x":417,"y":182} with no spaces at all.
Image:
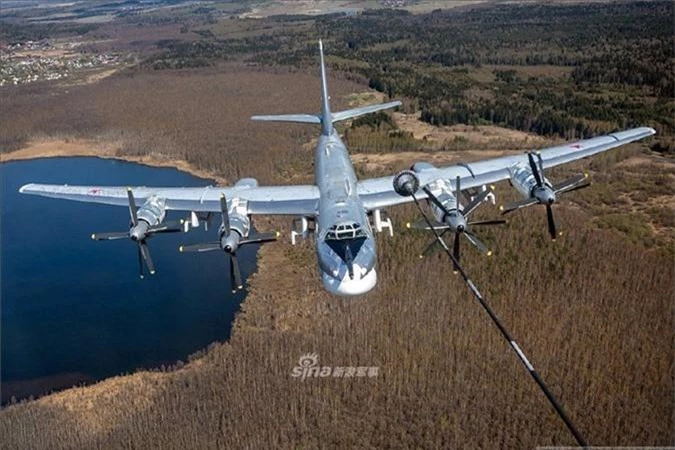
{"x":602,"y":66}
{"x":11,"y":32}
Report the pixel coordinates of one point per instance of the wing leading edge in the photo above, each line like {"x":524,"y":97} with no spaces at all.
{"x":379,"y":192}
{"x":273,"y":200}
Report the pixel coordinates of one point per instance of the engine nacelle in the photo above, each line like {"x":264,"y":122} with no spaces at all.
{"x":442,"y":189}
{"x":153,"y":211}
{"x":240,"y":222}
{"x":524,"y":181}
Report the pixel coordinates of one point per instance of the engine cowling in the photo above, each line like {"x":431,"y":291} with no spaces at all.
{"x":151,"y":214}
{"x":239,"y":226}
{"x":523,"y":179}
{"x":153,"y":211}
{"x":453,"y":217}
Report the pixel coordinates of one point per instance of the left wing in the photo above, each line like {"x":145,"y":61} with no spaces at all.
{"x":299,"y":200}
{"x":379,"y":192}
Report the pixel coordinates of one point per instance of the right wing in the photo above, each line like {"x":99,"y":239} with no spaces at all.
{"x":379,"y":192}
{"x":301,"y":200}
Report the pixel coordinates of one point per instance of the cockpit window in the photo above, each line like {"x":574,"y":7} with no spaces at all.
{"x":345,"y":231}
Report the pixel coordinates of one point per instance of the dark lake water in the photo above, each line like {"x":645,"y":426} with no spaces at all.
{"x":74,"y":310}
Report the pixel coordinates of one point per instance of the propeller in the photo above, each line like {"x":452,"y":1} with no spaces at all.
{"x":230,"y":241}
{"x":545,"y":194}
{"x":455,"y":221}
{"x":139,"y":232}
{"x":555,"y":404}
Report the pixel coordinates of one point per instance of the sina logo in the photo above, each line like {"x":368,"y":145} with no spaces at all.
{"x":308,"y":367}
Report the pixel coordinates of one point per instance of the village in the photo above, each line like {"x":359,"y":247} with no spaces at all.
{"x":44,"y":60}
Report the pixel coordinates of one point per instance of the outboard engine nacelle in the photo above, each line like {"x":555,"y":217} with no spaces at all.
{"x":153,"y":211}
{"x":149,"y":215}
{"x":524,"y":180}
{"x":145,"y":222}
{"x":529,"y":180}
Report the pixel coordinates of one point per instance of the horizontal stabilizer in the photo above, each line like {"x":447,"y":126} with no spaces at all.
{"x":358,"y":112}
{"x":297,"y":118}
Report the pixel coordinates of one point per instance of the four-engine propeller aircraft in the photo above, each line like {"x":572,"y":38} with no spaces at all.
{"x":338,"y":203}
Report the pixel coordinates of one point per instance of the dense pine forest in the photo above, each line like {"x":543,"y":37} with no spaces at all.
{"x":565,"y":70}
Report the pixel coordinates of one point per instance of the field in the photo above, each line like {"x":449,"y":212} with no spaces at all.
{"x":593,"y":309}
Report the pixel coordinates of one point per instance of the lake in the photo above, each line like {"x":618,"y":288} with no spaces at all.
{"x":74,"y":310}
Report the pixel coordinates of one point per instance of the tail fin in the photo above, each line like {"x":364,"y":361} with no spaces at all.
{"x":326,"y":119}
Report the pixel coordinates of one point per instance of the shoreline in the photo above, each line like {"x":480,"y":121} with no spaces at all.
{"x":70,"y":148}
{"x":64,"y":148}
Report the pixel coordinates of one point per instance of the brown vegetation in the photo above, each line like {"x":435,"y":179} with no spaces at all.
{"x":594,"y":327}
{"x":593,"y":310}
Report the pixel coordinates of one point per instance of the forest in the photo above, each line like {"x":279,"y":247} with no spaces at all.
{"x":523,"y":67}
{"x":592,"y":309}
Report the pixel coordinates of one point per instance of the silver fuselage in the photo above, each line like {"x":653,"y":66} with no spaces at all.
{"x":340,"y":209}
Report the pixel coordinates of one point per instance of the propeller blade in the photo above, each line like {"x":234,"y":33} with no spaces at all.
{"x":206,"y":247}
{"x":505,"y":209}
{"x":132,"y":207}
{"x":146,"y":256}
{"x":235,"y":272}
{"x":477,"y":242}
{"x":455,"y":247}
{"x":488,"y":222}
{"x":232,"y":282}
{"x":458,"y":188}
{"x":168,"y":227}
{"x":224,"y":215}
{"x":433,"y":247}
{"x":551,"y":222}
{"x":435,"y":200}
{"x":477,"y":200}
{"x":576,"y":188}
{"x":571,"y":184}
{"x":535,"y":170}
{"x":140,"y":264}
{"x":110,"y":236}
{"x":422,"y":225}
{"x":541,"y":164}
{"x":260,"y":238}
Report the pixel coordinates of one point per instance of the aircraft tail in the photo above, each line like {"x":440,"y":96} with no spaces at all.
{"x":326,"y":119}
{"x":358,"y":112}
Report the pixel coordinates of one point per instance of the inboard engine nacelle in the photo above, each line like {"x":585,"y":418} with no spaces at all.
{"x":523,"y":179}
{"x":443,"y":191}
{"x":239,"y":220}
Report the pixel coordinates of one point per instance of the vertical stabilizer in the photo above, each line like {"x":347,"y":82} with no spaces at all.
{"x":326,"y":119}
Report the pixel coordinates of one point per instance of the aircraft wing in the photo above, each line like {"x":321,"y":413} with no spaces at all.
{"x":379,"y":192}
{"x":301,"y":200}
